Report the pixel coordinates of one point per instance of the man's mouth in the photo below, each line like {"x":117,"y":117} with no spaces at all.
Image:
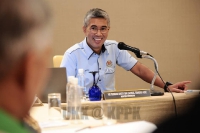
{"x":97,"y":40}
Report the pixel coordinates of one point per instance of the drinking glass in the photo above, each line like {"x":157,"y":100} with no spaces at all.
{"x":94,"y":91}
{"x":54,"y":106}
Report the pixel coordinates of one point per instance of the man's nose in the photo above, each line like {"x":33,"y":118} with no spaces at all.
{"x":98,"y":32}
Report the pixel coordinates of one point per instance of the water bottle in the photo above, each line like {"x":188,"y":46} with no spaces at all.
{"x":68,"y":97}
{"x":81,"y":83}
{"x":74,"y":101}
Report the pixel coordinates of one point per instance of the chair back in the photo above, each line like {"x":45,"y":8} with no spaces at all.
{"x":57,"y":60}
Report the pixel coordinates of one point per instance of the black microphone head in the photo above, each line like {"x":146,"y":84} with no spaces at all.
{"x":121,"y":45}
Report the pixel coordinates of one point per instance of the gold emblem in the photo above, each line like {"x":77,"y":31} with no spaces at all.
{"x":109,"y":63}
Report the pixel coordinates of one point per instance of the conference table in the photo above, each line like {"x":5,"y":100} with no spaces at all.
{"x":152,"y":109}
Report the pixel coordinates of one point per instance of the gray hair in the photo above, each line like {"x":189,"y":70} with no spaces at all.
{"x":96,"y":13}
{"x":18,"y":18}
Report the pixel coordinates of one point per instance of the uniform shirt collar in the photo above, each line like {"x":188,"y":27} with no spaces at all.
{"x":89,"y":51}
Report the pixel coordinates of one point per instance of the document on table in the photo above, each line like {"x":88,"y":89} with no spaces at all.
{"x":60,"y":127}
{"x":130,"y":127}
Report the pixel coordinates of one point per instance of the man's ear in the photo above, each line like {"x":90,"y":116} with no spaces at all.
{"x":84,"y":29}
{"x":108,"y":28}
{"x":20,"y":70}
{"x":26,"y":71}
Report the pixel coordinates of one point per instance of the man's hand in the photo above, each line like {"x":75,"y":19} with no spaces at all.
{"x":179,"y":87}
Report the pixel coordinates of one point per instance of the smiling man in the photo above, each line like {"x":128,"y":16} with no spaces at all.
{"x":96,"y":32}
{"x":95,"y":53}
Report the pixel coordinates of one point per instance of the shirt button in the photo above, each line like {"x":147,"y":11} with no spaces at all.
{"x":99,"y":79}
{"x":99,"y":68}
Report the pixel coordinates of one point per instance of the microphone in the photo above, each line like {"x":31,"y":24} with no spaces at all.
{"x":138,"y":52}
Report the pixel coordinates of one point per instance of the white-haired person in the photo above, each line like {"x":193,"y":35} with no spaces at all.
{"x":25,"y":38}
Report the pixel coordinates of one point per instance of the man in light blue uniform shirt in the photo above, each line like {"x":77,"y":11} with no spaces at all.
{"x":95,"y":53}
{"x":82,"y":56}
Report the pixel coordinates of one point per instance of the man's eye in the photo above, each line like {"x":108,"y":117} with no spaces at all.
{"x":103,"y":29}
{"x":93,"y":28}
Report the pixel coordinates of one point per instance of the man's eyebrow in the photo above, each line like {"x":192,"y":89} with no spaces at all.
{"x":97,"y":26}
{"x":93,"y":26}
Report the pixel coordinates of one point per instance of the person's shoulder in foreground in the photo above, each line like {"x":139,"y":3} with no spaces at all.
{"x":24,"y":57}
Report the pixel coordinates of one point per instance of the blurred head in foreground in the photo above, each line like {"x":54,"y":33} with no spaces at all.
{"x":25,"y":32}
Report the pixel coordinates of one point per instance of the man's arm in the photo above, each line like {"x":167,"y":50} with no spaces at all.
{"x":147,"y":75}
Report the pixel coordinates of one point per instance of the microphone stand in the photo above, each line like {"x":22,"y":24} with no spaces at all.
{"x":152,"y":91}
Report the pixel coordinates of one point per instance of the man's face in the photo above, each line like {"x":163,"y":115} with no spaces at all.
{"x":96,"y":33}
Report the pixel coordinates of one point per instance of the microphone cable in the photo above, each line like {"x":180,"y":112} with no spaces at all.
{"x":174,"y":101}
{"x":138,"y":54}
{"x":155,"y":65}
